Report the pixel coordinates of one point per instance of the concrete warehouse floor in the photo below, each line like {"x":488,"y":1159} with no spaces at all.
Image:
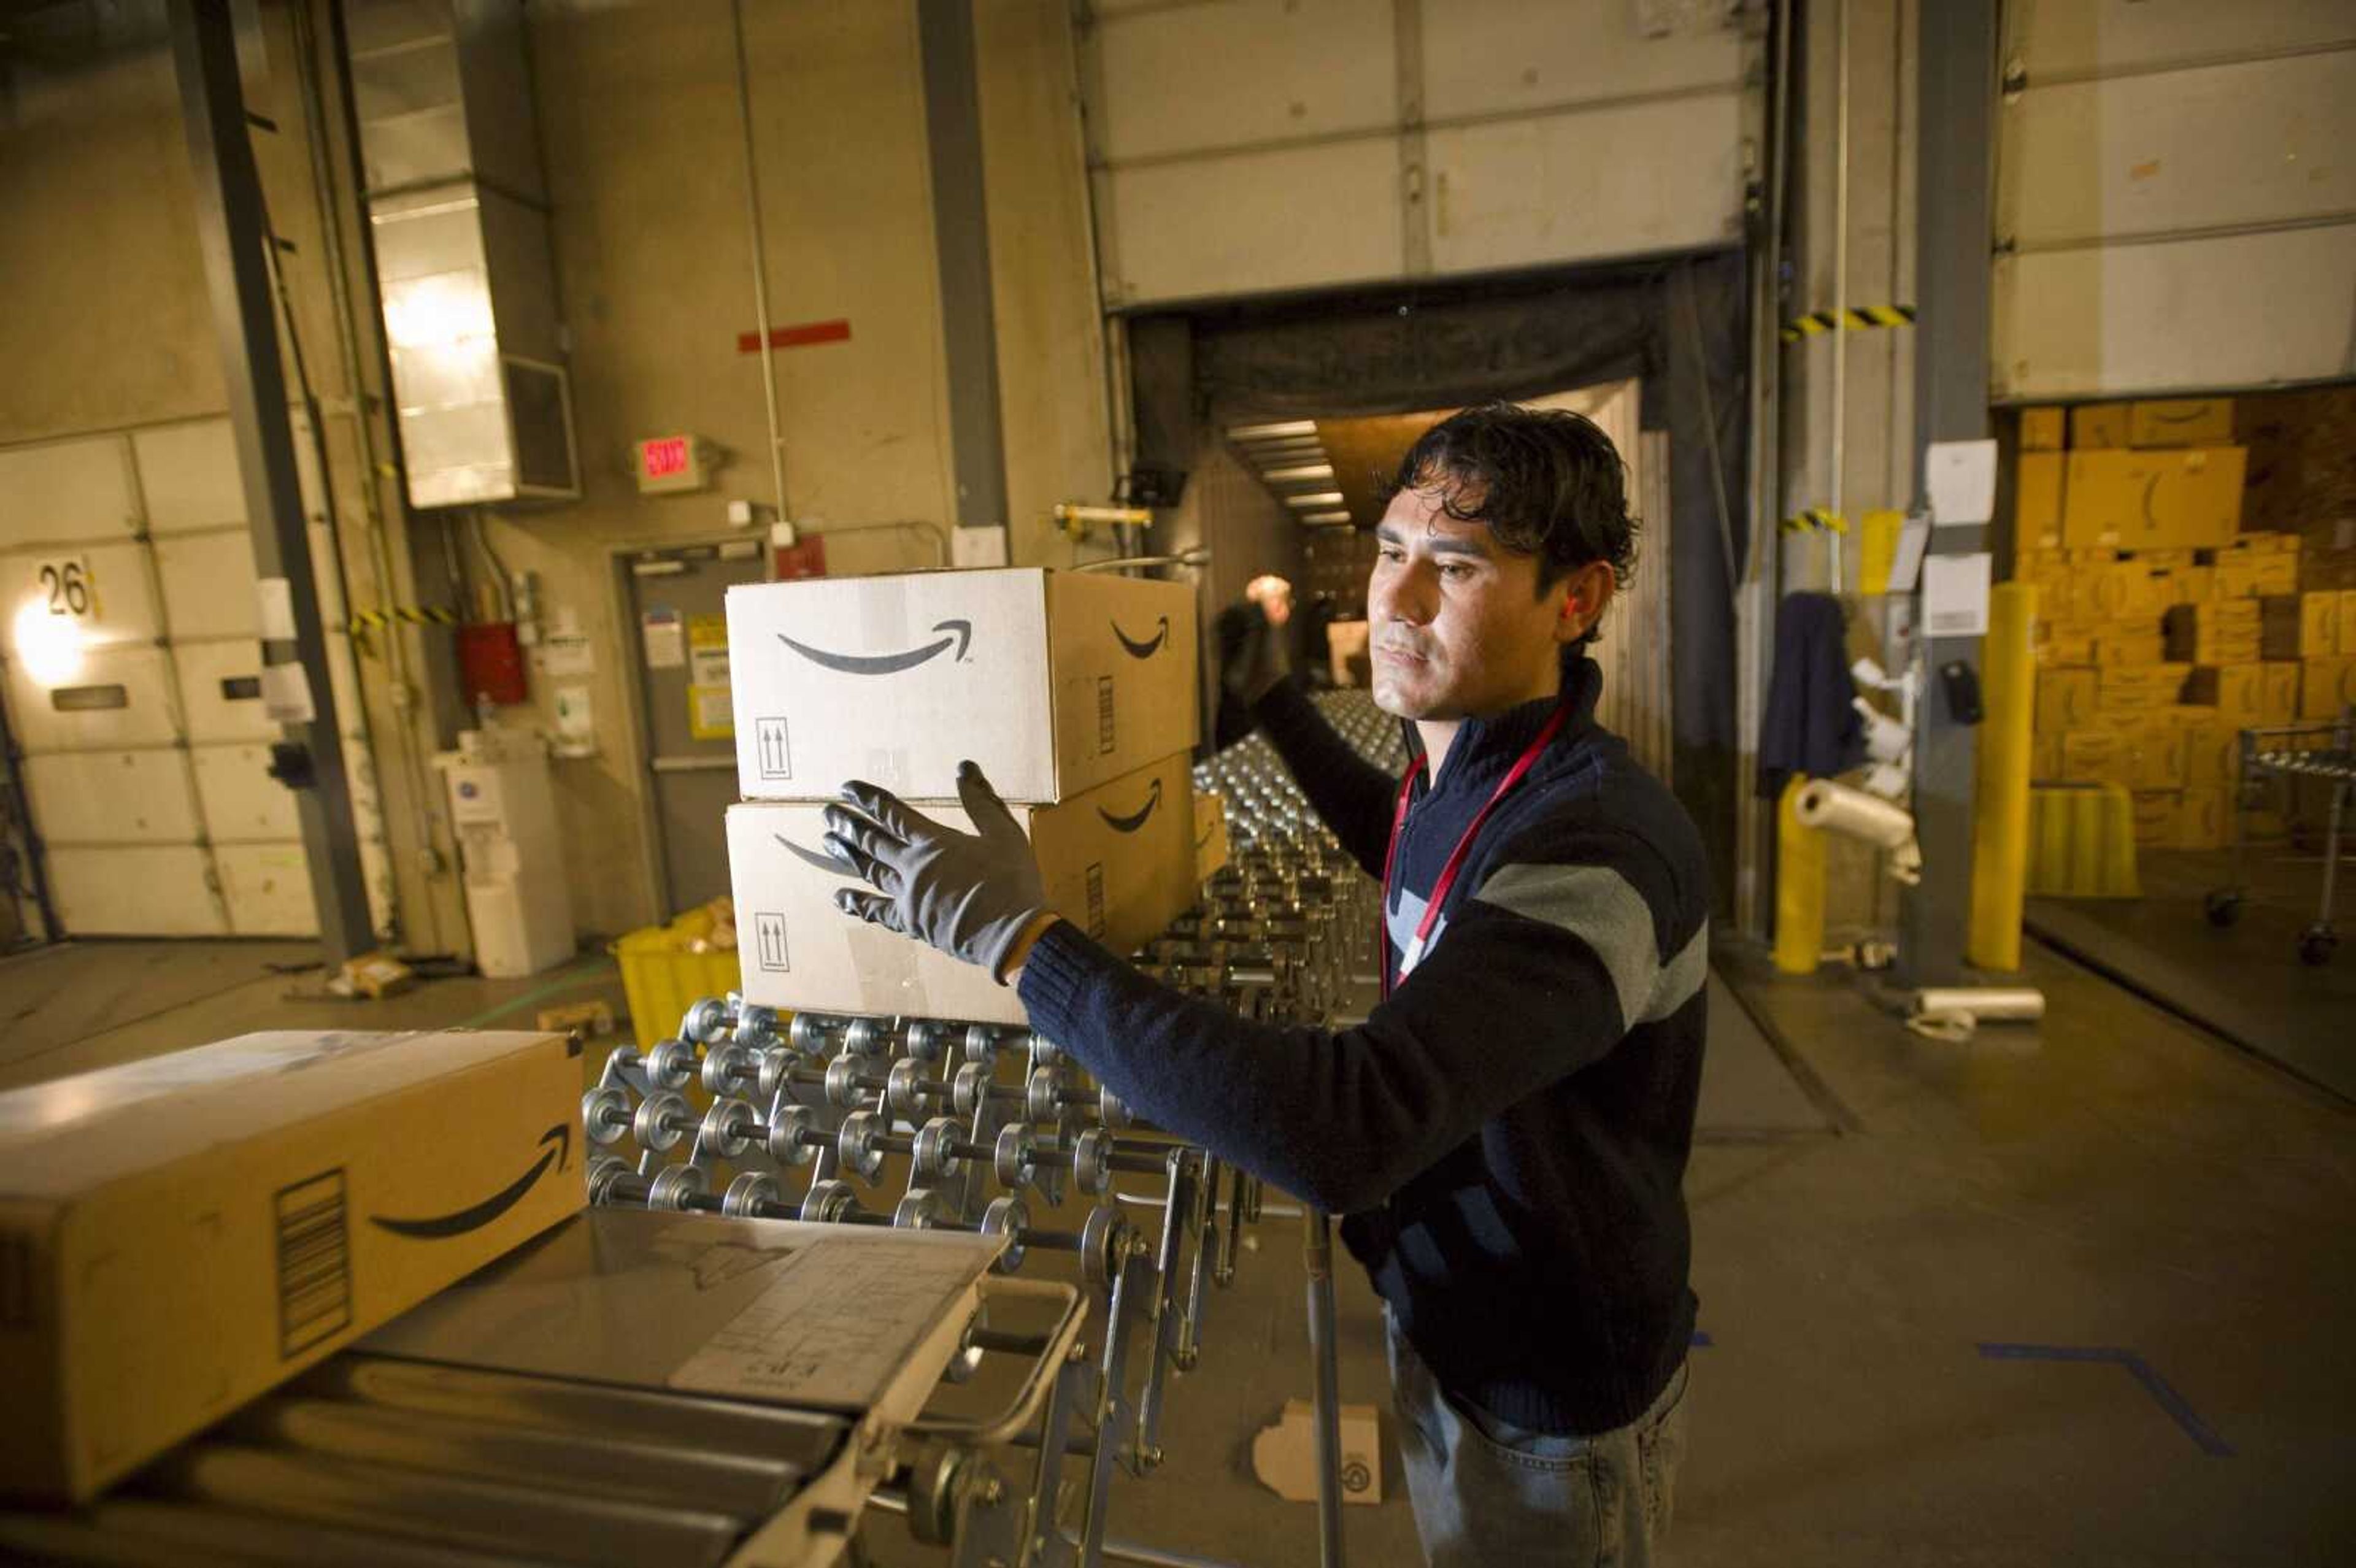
{"x":2065,"y":1294}
{"x":2244,"y":981}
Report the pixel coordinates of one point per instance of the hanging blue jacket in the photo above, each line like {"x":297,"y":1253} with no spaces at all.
{"x":1507,"y":1134}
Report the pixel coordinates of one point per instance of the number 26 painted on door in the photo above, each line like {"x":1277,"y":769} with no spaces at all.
{"x":67,"y":585}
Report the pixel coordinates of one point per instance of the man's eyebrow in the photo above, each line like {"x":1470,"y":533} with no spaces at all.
{"x":1476,"y":545}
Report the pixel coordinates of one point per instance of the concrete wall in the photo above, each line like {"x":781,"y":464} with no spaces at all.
{"x":106,"y":322}
{"x":644,"y":149}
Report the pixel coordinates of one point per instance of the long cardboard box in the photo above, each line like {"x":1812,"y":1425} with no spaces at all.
{"x":2235,"y":691}
{"x":2036,"y":500}
{"x":182,"y":1233}
{"x":2201,"y":819}
{"x":2212,"y":752}
{"x":2153,"y":501}
{"x":2065,"y":700}
{"x":2181,"y":422}
{"x":1054,"y":682}
{"x":2319,"y":624}
{"x":1118,"y":861}
{"x":1211,"y":848}
{"x":2098,"y":425}
{"x":2158,"y":817}
{"x":2278,"y":691}
{"x":2041,"y":430}
{"x":2139,"y":688}
{"x":2326,"y":686}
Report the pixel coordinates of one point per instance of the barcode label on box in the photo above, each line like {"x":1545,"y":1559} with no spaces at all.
{"x":1095,"y":899}
{"x":315,"y":1263}
{"x":769,"y":944}
{"x":1104,"y":715}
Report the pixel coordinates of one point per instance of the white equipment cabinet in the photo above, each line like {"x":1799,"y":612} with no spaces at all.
{"x":504,"y":817}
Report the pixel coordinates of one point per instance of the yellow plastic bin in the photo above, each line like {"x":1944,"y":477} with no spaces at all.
{"x":662,"y":973}
{"x":2081,"y":842}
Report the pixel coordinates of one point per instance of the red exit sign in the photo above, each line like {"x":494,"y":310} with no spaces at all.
{"x":671,"y":462}
{"x":664,"y":456}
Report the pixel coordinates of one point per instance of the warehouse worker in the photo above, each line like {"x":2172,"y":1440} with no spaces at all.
{"x":1507,"y":1132}
{"x":1246,"y":637}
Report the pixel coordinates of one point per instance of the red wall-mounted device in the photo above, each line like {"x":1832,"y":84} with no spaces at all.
{"x":491,"y":663}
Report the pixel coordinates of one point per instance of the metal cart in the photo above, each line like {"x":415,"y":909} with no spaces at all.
{"x":2319,"y":749}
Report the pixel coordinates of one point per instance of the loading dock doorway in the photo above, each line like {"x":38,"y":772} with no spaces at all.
{"x":676,"y":597}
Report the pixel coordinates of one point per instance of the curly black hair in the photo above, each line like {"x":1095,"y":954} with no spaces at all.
{"x":1543,"y":481}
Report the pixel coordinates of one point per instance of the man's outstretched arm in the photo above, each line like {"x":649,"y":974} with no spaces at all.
{"x":1355,"y":797}
{"x":1542,"y":974}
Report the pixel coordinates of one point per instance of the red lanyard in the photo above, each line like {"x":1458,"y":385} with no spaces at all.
{"x":1414,"y":953}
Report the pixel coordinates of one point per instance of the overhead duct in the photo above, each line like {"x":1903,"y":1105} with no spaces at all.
{"x":464,"y":260}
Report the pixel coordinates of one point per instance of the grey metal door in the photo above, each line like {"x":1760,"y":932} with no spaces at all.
{"x":679,"y":614}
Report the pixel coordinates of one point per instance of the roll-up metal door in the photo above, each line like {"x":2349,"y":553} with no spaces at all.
{"x":133,"y":689}
{"x":1263,"y":145}
{"x":2175,"y":209}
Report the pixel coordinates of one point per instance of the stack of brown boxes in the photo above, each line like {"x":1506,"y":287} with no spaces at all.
{"x":2163,"y":630}
{"x":1073,"y":692}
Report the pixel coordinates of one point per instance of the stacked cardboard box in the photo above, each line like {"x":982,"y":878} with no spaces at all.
{"x":2327,"y":642}
{"x":181,"y":1234}
{"x":1075,"y":693}
{"x":2163,"y":630}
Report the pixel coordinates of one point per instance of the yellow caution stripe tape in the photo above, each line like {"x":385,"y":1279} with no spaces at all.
{"x":1860,"y":318}
{"x":413,"y":615}
{"x":1812,"y":519}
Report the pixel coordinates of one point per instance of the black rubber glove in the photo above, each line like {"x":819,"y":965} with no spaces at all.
{"x":969,"y":894}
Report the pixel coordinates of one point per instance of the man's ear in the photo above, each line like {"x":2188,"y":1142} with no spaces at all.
{"x":1586,"y":591}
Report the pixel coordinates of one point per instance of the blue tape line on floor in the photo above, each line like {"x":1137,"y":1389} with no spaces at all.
{"x":2162,"y":1394}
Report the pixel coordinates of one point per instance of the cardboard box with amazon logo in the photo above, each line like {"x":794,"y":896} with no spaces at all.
{"x":1118,"y":861}
{"x":181,"y":1234}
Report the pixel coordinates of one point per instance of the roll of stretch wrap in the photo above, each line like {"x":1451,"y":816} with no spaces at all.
{"x":1953,"y":1013}
{"x":1986,"y":1004}
{"x":1836,"y":808}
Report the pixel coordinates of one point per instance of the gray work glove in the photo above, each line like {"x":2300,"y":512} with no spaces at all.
{"x":969,"y":894}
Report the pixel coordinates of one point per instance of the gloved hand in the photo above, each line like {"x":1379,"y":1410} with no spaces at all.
{"x":969,"y":894}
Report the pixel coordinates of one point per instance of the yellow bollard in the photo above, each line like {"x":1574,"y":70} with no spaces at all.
{"x":1799,"y":887}
{"x":2000,"y":802}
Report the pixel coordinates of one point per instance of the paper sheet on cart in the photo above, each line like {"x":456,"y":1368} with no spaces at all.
{"x":840,"y":1318}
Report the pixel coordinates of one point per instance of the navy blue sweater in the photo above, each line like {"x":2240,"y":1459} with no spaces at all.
{"x":1507,"y":1134}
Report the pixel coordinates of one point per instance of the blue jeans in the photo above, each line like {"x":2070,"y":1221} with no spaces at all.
{"x":1487,"y":1492}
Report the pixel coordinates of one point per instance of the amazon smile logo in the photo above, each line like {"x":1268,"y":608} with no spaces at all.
{"x":812,"y":856}
{"x":1131,"y":824}
{"x":474,"y":1216}
{"x":959,"y":633}
{"x":1144,"y":650}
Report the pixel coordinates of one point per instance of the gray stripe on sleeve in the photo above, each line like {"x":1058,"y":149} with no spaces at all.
{"x":1597,"y":905}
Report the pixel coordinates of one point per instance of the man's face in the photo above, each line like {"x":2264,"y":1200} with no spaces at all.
{"x":1459,"y":627}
